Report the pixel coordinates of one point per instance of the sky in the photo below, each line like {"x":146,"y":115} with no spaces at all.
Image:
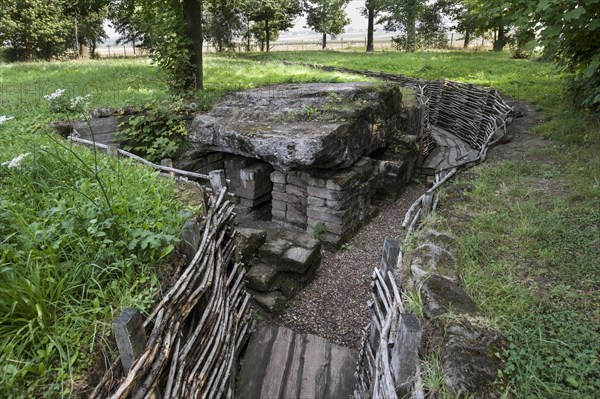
{"x":357,"y":21}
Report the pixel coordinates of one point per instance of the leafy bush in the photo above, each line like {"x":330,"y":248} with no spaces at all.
{"x":81,"y":236}
{"x":156,"y":133}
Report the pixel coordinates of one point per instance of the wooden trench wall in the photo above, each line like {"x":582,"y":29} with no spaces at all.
{"x":196,"y":331}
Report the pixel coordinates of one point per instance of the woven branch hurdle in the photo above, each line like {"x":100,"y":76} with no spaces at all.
{"x":388,"y":357}
{"x":196,"y":331}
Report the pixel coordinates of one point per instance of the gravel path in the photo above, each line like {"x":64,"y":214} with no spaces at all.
{"x":334,"y":304}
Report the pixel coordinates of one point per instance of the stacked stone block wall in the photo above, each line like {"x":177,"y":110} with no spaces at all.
{"x":249,"y":179}
{"x":333,"y":204}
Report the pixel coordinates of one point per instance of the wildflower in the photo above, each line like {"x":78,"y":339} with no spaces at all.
{"x":79,"y":100}
{"x":4,"y":118}
{"x":15,"y":162}
{"x":55,"y":95}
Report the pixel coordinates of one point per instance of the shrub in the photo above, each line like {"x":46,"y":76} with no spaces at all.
{"x":155,"y":134}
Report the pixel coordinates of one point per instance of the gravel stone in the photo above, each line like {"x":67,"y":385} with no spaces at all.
{"x":335,"y":304}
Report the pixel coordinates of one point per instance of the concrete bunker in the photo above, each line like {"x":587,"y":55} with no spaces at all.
{"x":313,"y":157}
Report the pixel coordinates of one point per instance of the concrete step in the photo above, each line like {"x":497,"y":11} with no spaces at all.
{"x":280,"y":363}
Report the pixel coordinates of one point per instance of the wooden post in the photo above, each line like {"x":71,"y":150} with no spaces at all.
{"x":168,"y":163}
{"x":191,"y":235}
{"x":391,"y":255}
{"x":405,"y":353}
{"x":112,"y":151}
{"x":451,"y":39}
{"x":427,"y":203}
{"x":130,"y":336}
{"x":217,"y":180}
{"x":421,"y":133}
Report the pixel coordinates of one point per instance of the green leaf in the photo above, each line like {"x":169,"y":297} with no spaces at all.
{"x":571,"y":380}
{"x":574,"y":13}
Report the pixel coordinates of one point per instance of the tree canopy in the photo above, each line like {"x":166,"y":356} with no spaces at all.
{"x":327,"y":17}
{"x":273,"y":15}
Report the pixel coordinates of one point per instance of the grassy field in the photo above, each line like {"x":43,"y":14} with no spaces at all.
{"x":82,"y":235}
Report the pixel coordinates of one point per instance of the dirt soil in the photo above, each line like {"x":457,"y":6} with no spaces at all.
{"x":520,"y":139}
{"x":335,"y":304}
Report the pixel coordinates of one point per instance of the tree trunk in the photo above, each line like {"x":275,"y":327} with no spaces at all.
{"x":77,"y":44}
{"x":267,"y":34}
{"x":411,"y":30}
{"x":371,"y":17}
{"x":84,"y":51}
{"x":324,"y":40}
{"x":28,"y":50}
{"x":94,"y":46}
{"x":467,"y":39}
{"x":193,"y":27}
{"x":248,"y":33}
{"x":500,"y":42}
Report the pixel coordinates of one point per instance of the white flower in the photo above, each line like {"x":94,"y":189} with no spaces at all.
{"x":55,"y":95}
{"x":79,"y":100}
{"x":4,"y":118}
{"x":15,"y":162}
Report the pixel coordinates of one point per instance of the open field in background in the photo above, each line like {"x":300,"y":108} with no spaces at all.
{"x":530,"y":256}
{"x":301,"y":41}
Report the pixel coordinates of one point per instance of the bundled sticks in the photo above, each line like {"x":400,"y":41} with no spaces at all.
{"x":198,"y":327}
{"x":374,"y":371}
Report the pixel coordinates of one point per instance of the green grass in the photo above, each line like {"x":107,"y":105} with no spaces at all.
{"x":518,"y":78}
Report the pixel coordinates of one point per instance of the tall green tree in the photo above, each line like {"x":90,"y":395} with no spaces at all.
{"x":462,"y":17}
{"x":88,"y":18}
{"x":273,"y":15}
{"x":569,"y":30}
{"x":223,"y":23}
{"x":420,"y":20}
{"x":34,"y":29}
{"x":327,"y":17}
{"x":171,"y":30}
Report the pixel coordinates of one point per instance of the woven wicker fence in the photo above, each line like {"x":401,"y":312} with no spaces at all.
{"x":388,"y":359}
{"x":196,"y":331}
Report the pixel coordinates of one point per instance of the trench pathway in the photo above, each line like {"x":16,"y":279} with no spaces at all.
{"x":335,"y":304}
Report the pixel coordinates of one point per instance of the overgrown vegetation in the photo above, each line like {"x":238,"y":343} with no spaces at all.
{"x":84,"y":235}
{"x":155,"y":133}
